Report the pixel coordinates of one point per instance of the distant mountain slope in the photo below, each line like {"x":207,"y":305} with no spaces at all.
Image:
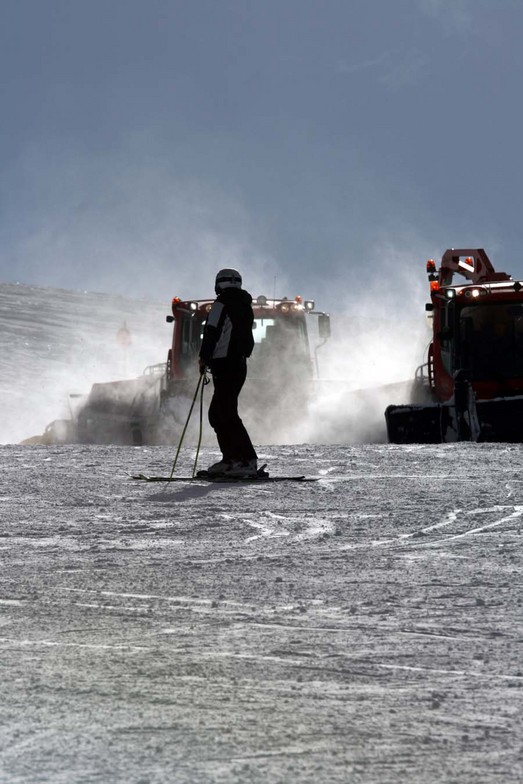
{"x":53,"y":342}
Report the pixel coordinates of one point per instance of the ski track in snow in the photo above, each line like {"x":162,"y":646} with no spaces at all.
{"x":364,"y":628}
{"x":298,"y":528}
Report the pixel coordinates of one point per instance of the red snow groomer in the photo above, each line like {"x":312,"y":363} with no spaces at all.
{"x":471,"y":387}
{"x":281,"y":380}
{"x":283,"y":366}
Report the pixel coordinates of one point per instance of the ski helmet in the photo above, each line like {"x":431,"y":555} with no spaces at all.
{"x":226,"y":279}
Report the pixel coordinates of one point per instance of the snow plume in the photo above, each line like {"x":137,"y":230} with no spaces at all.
{"x":371,"y":357}
{"x":55,"y":344}
{"x":133,"y":227}
{"x":377,"y":341}
{"x":122,"y":223}
{"x":60,"y":342}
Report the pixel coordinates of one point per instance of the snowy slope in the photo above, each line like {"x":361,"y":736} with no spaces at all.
{"x":366,"y":628}
{"x":55,"y":342}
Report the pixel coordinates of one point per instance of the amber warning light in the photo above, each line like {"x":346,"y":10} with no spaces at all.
{"x":467,"y":263}
{"x":175,"y":301}
{"x":431,"y":265}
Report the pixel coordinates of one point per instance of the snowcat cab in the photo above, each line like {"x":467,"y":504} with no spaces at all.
{"x":282,"y":367}
{"x":471,"y":387}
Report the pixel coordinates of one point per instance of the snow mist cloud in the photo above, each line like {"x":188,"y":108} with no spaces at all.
{"x":379,"y":337}
{"x":56,"y":344}
{"x":378,"y":332}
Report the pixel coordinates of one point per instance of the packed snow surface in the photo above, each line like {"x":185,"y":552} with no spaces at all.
{"x":364,"y":628}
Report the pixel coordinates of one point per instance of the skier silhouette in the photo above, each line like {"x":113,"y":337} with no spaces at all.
{"x":227,"y":342}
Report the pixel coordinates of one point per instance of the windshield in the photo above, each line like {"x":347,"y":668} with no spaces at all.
{"x":278,"y":342}
{"x":269,"y":334}
{"x":282,"y":335}
{"x":260,"y":328}
{"x":492,"y":338}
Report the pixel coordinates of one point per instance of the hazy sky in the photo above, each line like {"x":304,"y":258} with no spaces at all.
{"x":146,"y":143}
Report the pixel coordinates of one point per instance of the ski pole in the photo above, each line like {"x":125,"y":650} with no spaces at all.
{"x":186,"y":424}
{"x":205,"y":382}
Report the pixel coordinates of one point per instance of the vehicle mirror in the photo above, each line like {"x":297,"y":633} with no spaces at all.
{"x":324,"y":325}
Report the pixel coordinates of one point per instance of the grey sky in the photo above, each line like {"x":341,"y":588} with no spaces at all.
{"x":145,"y":143}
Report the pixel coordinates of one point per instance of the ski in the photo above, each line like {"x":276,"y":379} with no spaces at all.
{"x":261,"y":476}
{"x":205,"y":477}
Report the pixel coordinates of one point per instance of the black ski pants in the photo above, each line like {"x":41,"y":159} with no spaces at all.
{"x":232,"y":436}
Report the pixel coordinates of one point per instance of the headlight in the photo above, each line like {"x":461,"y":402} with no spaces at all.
{"x":480,"y":292}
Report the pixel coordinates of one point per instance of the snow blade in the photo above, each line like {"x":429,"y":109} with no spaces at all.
{"x":225,"y":479}
{"x":499,"y":420}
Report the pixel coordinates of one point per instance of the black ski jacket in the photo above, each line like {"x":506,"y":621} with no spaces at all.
{"x":227,"y":336}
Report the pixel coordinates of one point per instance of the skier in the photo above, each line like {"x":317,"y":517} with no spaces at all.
{"x":227,"y":342}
